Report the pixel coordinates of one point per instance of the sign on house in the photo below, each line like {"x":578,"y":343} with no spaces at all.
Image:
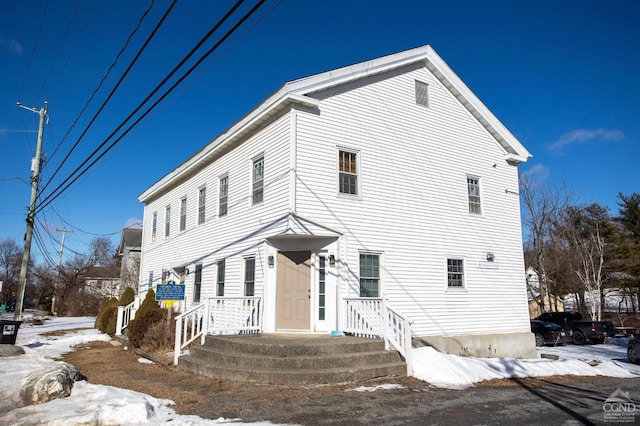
{"x":170,"y":293}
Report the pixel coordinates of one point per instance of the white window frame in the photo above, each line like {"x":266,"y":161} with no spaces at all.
{"x":167,"y":221}
{"x":462,"y":274}
{"x":197,"y":283}
{"x":379,"y":278}
{"x":257,"y":186}
{"x":474,"y":200}
{"x":221,"y":266}
{"x":244,"y":276}
{"x":357,"y":173}
{"x":202,"y":204}
{"x":154,"y":226}
{"x":183,"y":213}
{"x":223,"y":196}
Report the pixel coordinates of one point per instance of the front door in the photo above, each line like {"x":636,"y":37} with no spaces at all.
{"x":293,"y":294}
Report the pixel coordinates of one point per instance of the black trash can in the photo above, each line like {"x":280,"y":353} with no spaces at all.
{"x":9,"y":331}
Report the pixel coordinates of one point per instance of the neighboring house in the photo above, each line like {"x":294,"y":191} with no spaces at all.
{"x":129,"y":255}
{"x":102,"y":282}
{"x":384,"y":179}
{"x":552,"y":303}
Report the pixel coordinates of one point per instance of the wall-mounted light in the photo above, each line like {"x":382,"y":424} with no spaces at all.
{"x":186,"y":271}
{"x":490,"y":257}
{"x":270,"y":261}
{"x":332,"y":260}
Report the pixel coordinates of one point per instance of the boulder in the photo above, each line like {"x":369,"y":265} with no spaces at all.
{"x":49,"y":383}
{"x":10,"y":350}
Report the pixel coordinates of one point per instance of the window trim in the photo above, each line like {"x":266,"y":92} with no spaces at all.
{"x":202,"y":204}
{"x":183,"y":213}
{"x":197,"y":284}
{"x":221,"y":265}
{"x":154,"y":226}
{"x":244,"y":275}
{"x":379,"y":277}
{"x":473,"y":205}
{"x":257,"y":190}
{"x":225,"y":203}
{"x":167,"y":221}
{"x":357,"y":174}
{"x":462,"y":274}
{"x":322,"y":287}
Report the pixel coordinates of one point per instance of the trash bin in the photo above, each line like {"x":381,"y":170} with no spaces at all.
{"x":9,"y":331}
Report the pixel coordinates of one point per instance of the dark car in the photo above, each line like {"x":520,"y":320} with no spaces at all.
{"x":579,"y":329}
{"x":548,"y":333}
{"x":633,"y":350}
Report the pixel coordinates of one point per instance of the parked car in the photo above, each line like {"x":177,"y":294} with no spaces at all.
{"x":633,"y":350}
{"x":548,"y":333}
{"x":579,"y":329}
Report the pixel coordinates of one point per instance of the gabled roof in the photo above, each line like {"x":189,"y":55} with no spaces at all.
{"x":298,"y":91}
{"x":131,"y":238}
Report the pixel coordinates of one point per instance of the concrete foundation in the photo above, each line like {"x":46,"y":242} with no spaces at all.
{"x":508,"y":345}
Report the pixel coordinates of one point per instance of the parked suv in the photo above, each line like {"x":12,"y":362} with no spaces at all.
{"x":579,"y":329}
{"x":633,"y":350}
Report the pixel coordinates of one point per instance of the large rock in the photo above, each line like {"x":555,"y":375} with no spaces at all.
{"x":49,"y":383}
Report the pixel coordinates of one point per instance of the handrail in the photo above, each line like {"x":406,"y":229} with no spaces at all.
{"x":371,"y":318}
{"x":125,"y":315}
{"x":188,"y":328}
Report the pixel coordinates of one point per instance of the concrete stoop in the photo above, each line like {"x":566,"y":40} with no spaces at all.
{"x":293,"y":359}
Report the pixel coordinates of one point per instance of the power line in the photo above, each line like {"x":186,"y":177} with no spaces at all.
{"x":86,"y":105}
{"x":62,"y":187}
{"x":35,"y":47}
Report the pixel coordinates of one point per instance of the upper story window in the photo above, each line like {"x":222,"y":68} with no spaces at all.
{"x":369,"y":275}
{"x":249,"y":276}
{"x":183,"y":213}
{"x":258,"y":180}
{"x":422,"y":93}
{"x":223,"y":194}
{"x":154,"y":226}
{"x":167,"y":221}
{"x":202,"y":199}
{"x":473,"y":188}
{"x":348,"y":172}
{"x":455,"y":273}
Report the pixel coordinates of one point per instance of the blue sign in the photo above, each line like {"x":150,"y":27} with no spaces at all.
{"x":170,"y":292}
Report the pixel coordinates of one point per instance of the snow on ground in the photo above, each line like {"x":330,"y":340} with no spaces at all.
{"x":98,"y":404}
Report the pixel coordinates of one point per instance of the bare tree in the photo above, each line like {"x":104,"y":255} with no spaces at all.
{"x":10,"y":260}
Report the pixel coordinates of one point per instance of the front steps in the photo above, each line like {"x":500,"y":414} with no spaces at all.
{"x":293,"y":359}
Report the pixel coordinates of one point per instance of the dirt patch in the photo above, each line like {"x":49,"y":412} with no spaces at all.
{"x":104,"y":363}
{"x":64,"y":332}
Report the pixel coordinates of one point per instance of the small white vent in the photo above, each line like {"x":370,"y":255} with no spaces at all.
{"x":422,"y":93}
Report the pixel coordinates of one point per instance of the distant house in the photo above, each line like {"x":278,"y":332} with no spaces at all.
{"x":129,"y":254}
{"x":102,"y":282}
{"x":381,"y":185}
{"x":552,"y":303}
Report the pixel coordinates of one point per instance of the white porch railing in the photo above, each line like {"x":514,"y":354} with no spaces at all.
{"x":218,"y":315}
{"x":125,"y":315}
{"x":372,"y":318}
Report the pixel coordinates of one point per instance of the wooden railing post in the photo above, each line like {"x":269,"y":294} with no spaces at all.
{"x":119,"y":320}
{"x":178,"y":342}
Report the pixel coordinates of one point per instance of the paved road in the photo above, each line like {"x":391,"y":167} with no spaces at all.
{"x":552,"y":401}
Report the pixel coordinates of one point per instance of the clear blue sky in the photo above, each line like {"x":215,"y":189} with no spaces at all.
{"x":563,"y":76}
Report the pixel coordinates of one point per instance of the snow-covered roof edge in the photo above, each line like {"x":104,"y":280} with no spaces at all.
{"x":296,"y":91}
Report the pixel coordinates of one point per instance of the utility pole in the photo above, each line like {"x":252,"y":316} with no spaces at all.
{"x":35,"y":179}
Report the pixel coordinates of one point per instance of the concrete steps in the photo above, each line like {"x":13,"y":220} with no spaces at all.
{"x":293,"y":359}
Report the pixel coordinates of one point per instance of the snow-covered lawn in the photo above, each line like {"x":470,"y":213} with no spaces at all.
{"x":98,"y":404}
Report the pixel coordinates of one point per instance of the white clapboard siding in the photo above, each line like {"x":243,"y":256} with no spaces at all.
{"x":413,"y":205}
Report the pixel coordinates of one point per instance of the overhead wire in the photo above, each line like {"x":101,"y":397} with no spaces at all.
{"x":78,"y":172}
{"x":33,"y":51}
{"x":97,"y":89}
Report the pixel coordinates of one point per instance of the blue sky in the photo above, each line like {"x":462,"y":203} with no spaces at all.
{"x":562,"y":76}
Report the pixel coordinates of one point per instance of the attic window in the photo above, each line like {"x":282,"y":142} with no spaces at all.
{"x":422,"y":93}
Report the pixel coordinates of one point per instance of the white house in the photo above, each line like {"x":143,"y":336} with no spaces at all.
{"x":384,"y":180}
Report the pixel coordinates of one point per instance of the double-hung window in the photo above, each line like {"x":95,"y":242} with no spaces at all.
{"x":348,"y":172}
{"x":249,"y":276}
{"x":167,"y":221}
{"x":154,"y":226}
{"x":220,"y":278}
{"x":223,"y":194}
{"x":202,"y":199}
{"x":197,"y":283}
{"x":258,"y":180}
{"x":455,"y":273}
{"x":473,"y":189}
{"x":369,"y":275}
{"x":183,"y":213}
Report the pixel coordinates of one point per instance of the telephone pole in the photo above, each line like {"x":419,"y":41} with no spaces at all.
{"x":35,"y":179}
